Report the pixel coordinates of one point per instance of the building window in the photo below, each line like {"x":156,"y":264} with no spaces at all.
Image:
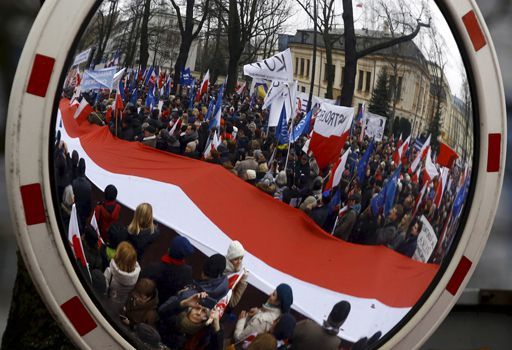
{"x":303,"y":89}
{"x":399,"y":88}
{"x":360,"y":81}
{"x":296,"y":65}
{"x":342,"y":75}
{"x":368,"y":81}
{"x":301,"y":66}
{"x":307,"y":68}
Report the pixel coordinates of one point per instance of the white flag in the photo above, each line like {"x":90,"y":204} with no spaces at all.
{"x":278,"y":67}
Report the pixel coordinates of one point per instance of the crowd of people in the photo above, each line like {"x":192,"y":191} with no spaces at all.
{"x":161,"y":302}
{"x":250,"y":149}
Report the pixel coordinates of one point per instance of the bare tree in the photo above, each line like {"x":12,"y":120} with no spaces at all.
{"x":324,"y":18}
{"x":105,"y":24}
{"x":190,"y":26}
{"x":352,"y":54}
{"x":246,"y":20}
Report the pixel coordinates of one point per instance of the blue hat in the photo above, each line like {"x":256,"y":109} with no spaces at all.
{"x":285,"y":295}
{"x":180,"y":248}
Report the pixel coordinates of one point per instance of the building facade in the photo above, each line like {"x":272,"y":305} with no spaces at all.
{"x":414,"y":96}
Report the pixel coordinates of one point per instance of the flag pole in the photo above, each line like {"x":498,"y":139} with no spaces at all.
{"x":115,"y":116}
{"x":291,"y":127}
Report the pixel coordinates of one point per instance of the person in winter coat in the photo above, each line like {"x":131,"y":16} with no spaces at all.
{"x":346,"y":223}
{"x":94,"y":250}
{"x":171,"y":274}
{"x":408,"y":246}
{"x":260,"y":320}
{"x":122,"y":274}
{"x":142,"y":230}
{"x":68,"y":198}
{"x":234,"y":264}
{"x":309,"y":335}
{"x":142,"y":304}
{"x":213,"y":280}
{"x":107,"y":211}
{"x":82,"y":190}
{"x":183,"y":323}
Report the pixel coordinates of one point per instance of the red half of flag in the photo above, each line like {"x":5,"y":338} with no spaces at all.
{"x":327,"y":149}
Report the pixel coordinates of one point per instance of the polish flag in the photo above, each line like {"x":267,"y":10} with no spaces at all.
{"x":204,"y":86}
{"x":74,"y":238}
{"x":337,"y":171}
{"x":175,"y":126}
{"x":377,"y":304}
{"x":83,"y":111}
{"x":416,"y":176}
{"x":447,"y":156}
{"x":420,"y":198}
{"x":441,"y":185}
{"x":212,"y":145}
{"x":240,"y":89}
{"x":119,"y":100}
{"x":330,"y":132}
{"x":400,"y":151}
{"x":430,"y":171}
{"x":421,"y":154}
{"x":94,"y":225}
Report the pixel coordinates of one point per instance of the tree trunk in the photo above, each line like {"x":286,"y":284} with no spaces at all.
{"x":236,"y":46}
{"x":30,"y":325}
{"x":328,"y":71}
{"x":144,"y":45}
{"x":349,"y":79}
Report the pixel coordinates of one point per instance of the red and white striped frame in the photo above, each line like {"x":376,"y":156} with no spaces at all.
{"x":29,"y":189}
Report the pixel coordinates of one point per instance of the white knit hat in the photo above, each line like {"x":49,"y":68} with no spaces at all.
{"x":235,"y":250}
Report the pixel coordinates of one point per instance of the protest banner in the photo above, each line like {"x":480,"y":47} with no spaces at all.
{"x":278,"y":67}
{"x":98,"y":79}
{"x":331,"y":129}
{"x":374,"y":125}
{"x":81,"y":57}
{"x":427,"y":241}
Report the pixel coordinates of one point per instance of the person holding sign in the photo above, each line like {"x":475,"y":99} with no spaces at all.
{"x":408,"y":245}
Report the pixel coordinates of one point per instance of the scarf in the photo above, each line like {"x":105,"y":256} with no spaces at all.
{"x":166,"y":259}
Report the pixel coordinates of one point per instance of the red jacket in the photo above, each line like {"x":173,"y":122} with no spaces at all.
{"x":106,"y":214}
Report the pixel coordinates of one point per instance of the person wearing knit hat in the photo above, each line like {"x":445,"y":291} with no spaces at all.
{"x":171,"y":274}
{"x":260,"y":320}
{"x":234,"y":257}
{"x":180,"y":248}
{"x":308,"y":334}
{"x":234,"y":264}
{"x":285,"y":296}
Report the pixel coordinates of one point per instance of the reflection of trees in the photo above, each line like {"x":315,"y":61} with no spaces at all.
{"x":440,"y":99}
{"x":104,"y":25}
{"x":352,"y":55}
{"x":322,"y":14}
{"x":249,"y":20}
{"x":190,"y":25}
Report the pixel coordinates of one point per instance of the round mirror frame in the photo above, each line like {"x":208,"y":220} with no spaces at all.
{"x":33,"y":101}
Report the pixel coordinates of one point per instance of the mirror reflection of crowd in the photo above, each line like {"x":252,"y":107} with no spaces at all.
{"x":250,"y":149}
{"x":161,"y":302}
